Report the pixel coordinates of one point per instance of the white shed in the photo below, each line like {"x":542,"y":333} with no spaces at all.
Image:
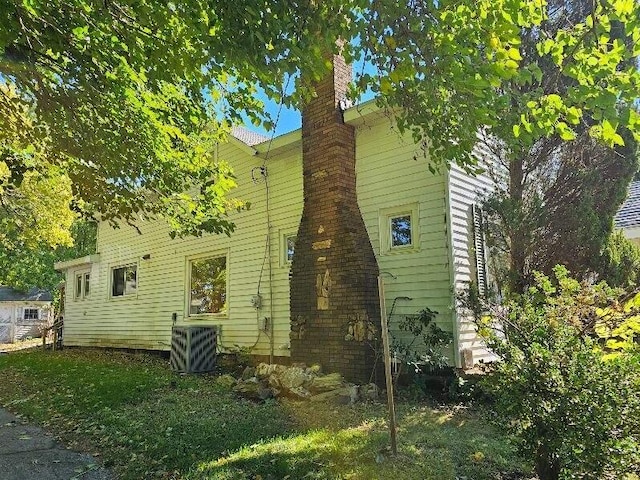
{"x":22,"y":315}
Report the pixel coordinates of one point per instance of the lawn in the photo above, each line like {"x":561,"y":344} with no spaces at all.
{"x":146,"y":422}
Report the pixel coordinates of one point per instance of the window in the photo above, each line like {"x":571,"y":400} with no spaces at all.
{"x":289,"y":247}
{"x":31,"y":314}
{"x":208,"y":285}
{"x":83,"y":285}
{"x":399,"y":229}
{"x":124,"y":280}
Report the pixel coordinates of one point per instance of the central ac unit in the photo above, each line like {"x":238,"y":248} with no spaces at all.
{"x":193,"y":349}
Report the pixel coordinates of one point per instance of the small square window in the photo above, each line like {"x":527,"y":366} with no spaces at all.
{"x":208,"y":285}
{"x":31,"y":314}
{"x":400,"y":231}
{"x":124,"y":280}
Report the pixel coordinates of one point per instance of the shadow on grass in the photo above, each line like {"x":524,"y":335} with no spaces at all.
{"x":150,"y":423}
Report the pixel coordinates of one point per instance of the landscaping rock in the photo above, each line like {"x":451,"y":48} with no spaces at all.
{"x":341,"y":396}
{"x":253,"y":390}
{"x":248,"y":373}
{"x":326,"y":383}
{"x":225,"y":381}
{"x":295,"y":377}
{"x":370,"y":392}
{"x":301,"y":382}
{"x":299,"y":393}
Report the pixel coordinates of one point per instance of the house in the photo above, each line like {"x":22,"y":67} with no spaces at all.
{"x":22,"y":314}
{"x":137,"y":286}
{"x":628,"y":217}
{"x":418,"y":227}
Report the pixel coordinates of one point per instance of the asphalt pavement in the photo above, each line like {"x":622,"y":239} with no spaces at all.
{"x":29,"y":453}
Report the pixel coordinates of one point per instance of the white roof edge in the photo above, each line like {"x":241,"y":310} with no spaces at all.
{"x":76,"y":262}
{"x":355,"y":115}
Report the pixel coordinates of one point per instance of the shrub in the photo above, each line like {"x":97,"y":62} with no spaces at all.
{"x":569,"y":380}
{"x":620,"y":264}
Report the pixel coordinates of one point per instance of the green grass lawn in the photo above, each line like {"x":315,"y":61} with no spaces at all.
{"x":147,"y":422}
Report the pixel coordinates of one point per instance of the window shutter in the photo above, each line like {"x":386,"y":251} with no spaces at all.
{"x":479,"y":249}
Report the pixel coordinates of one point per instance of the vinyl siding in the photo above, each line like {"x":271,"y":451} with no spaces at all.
{"x":388,"y":176}
{"x":464,"y":191}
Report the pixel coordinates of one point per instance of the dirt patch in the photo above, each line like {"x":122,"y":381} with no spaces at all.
{"x":21,"y":345}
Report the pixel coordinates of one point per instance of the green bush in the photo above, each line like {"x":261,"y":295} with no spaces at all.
{"x":568,"y":383}
{"x":620,"y":261}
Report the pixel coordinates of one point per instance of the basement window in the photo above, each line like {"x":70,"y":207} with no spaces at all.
{"x":208,"y":285}
{"x":124,"y":280}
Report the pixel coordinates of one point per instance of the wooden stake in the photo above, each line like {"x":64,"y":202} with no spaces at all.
{"x":387,"y":367}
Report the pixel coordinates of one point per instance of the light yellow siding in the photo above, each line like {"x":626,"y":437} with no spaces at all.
{"x":388,"y":176}
{"x":464,"y":191}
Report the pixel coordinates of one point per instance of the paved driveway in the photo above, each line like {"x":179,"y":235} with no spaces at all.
{"x":29,"y":453}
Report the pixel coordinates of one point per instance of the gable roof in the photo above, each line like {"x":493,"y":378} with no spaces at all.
{"x":8,"y":294}
{"x":629,"y":214}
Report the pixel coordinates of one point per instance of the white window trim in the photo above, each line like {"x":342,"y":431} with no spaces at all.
{"x":83,"y":295}
{"x":115,"y":266}
{"x":187,"y":291}
{"x":384,"y":218}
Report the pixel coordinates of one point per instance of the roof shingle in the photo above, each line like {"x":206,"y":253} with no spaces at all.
{"x":629,"y":214}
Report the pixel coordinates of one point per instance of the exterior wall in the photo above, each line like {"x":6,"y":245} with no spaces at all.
{"x":464,"y":191}
{"x":388,"y":176}
{"x":14,"y":327}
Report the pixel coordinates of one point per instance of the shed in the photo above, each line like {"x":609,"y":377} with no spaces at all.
{"x":22,"y":314}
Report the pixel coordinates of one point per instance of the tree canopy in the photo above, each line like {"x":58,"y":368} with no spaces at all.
{"x":111,"y":107}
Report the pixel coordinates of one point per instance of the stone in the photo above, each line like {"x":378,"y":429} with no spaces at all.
{"x":370,"y":392}
{"x":253,"y":390}
{"x":295,"y":377}
{"x":248,"y":373}
{"x":225,"y":381}
{"x":339,"y":396}
{"x":300,"y":393}
{"x":314,"y":369}
{"x":328,"y":382}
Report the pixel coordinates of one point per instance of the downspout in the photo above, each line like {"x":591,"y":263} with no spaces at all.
{"x":451,"y":262}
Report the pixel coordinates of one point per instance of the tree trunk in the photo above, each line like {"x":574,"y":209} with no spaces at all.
{"x":517,"y":231}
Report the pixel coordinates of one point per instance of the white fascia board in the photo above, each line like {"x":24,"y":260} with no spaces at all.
{"x":77,"y":262}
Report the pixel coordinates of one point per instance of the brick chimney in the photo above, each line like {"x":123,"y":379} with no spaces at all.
{"x":335,"y":314}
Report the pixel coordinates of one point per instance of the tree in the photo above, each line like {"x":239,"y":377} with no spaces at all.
{"x":24,"y":266}
{"x":124,"y":99}
{"x":556,"y":194}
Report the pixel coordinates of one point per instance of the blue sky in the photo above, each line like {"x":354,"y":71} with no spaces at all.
{"x":291,"y":119}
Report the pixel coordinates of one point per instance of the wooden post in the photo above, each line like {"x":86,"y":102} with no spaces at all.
{"x":387,"y":367}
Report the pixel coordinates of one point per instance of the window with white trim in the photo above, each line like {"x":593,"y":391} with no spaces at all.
{"x":399,"y":229}
{"x":208,"y":285}
{"x":31,"y":314}
{"x":124,"y":280}
{"x":82,"y":285}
